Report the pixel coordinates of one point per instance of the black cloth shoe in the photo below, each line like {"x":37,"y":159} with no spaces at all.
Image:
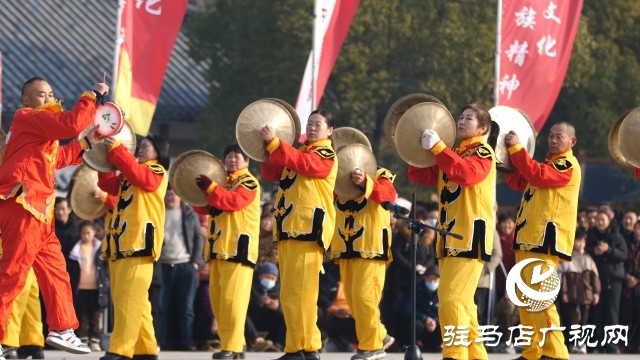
{"x":226,"y":354}
{"x":298,"y":355}
{"x":9,"y":352}
{"x":112,"y":356}
{"x":33,"y":351}
{"x":145,"y":357}
{"x":311,"y":355}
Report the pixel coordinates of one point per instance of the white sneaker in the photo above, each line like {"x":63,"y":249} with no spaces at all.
{"x":68,"y":341}
{"x":1,"y":356}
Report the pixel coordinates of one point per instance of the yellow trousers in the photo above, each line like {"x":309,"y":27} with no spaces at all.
{"x":300,"y":263}
{"x":24,"y":326}
{"x":458,"y":282}
{"x":554,"y":340}
{"x":363,"y":281}
{"x":230,"y":292}
{"x":133,"y":331}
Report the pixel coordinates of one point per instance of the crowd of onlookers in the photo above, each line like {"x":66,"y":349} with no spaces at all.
{"x":599,"y":286}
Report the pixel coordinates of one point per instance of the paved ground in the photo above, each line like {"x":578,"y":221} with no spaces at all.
{"x":170,"y":355}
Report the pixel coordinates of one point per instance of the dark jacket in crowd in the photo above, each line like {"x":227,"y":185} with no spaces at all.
{"x":610,"y":264}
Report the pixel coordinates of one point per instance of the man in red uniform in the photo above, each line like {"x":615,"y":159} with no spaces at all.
{"x":32,"y":155}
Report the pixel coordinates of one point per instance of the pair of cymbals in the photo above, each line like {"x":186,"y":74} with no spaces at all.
{"x":83,"y":186}
{"x":348,"y":135}
{"x":623,"y":143}
{"x":350,"y":157}
{"x":275,"y":112}
{"x":187,"y":167}
{"x":96,"y":158}
{"x":516,"y":120}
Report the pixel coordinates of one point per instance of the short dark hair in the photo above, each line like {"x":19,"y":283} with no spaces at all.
{"x":235,"y":148}
{"x":60,"y":199}
{"x":504,"y":216}
{"x":581,"y":233}
{"x":85,"y":224}
{"x":162,"y":148}
{"x":29,"y":82}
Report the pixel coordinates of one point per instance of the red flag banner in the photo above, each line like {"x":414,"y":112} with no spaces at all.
{"x":147,"y":31}
{"x":333,"y":19}
{"x":0,"y":93}
{"x":536,"y":41}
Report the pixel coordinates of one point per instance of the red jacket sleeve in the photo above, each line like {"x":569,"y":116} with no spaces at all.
{"x":228,"y":201}
{"x":55,"y":125}
{"x":202,"y":210}
{"x":110,"y":202}
{"x":309,"y":164}
{"x":383,"y":190}
{"x":271,"y":171}
{"x":137,"y":174}
{"x":636,"y":172}
{"x":543,"y":175}
{"x":69,"y":154}
{"x":424,"y":176}
{"x":109,"y":183}
{"x":466,"y":172}
{"x":516,"y":181}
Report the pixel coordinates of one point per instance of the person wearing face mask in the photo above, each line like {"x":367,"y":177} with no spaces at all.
{"x":133,"y":241}
{"x":264,"y":308}
{"x":427,"y":319}
{"x":545,"y":224}
{"x":31,"y":156}
{"x":231,"y":247}
{"x":465,"y":176}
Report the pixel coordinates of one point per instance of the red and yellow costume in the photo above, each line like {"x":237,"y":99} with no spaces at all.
{"x":232,"y":251}
{"x":305,"y":222}
{"x":362,"y":246}
{"x":24,"y":326}
{"x":32,"y":155}
{"x":466,"y":184}
{"x":545,"y":229}
{"x":133,"y":242}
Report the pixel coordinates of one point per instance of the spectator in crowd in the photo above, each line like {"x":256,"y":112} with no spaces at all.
{"x":264,"y":308}
{"x":481,"y":297}
{"x":630,"y":305}
{"x":335,"y":318}
{"x":580,"y":288}
{"x":607,"y":208}
{"x":180,"y":260}
{"x":66,"y":225}
{"x":591,"y":212}
{"x":629,"y":220}
{"x":428,"y":334}
{"x":583,"y":222}
{"x":506,"y":312}
{"x":399,"y":272}
{"x":609,"y":251}
{"x":267,"y":250}
{"x":89,"y":277}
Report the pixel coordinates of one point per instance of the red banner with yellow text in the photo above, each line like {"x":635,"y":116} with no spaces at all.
{"x":147,"y":31}
{"x":535,"y":47}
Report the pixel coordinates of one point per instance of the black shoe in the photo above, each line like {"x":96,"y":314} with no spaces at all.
{"x":112,"y":356}
{"x":311,"y":355}
{"x":9,"y":352}
{"x":145,"y":357}
{"x":33,"y":351}
{"x":226,"y":354}
{"x":298,"y":355}
{"x":544,"y":357}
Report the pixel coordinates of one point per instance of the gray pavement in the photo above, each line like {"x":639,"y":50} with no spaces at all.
{"x":202,"y":355}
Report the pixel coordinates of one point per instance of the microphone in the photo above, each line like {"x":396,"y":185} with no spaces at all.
{"x":397,"y":209}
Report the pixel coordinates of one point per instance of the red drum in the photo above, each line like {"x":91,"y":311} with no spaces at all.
{"x":109,"y":119}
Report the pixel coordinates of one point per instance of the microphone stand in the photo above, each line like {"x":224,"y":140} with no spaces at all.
{"x":412,"y":352}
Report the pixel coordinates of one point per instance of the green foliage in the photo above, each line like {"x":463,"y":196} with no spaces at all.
{"x":259,"y":49}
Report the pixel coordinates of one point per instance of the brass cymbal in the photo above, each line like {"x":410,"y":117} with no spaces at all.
{"x":398,"y":108}
{"x":3,"y":140}
{"x":353,"y":156}
{"x":614,"y":143}
{"x":628,"y":135}
{"x":187,"y":167}
{"x":347,"y":135}
{"x":413,"y":123}
{"x":96,"y":158}
{"x":511,"y":119}
{"x":254,"y":117}
{"x":84,"y":182}
{"x":294,"y":115}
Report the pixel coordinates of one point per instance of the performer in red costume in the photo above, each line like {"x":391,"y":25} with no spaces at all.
{"x":32,"y":155}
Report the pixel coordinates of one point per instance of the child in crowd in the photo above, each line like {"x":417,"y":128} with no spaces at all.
{"x":580,"y":288}
{"x":90,"y":284}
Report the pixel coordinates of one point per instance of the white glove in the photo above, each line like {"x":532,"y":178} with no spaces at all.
{"x":429,"y":139}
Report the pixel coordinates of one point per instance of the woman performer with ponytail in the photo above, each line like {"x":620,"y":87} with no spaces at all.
{"x":465,"y":176}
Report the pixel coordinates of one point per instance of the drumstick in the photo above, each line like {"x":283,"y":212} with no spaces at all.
{"x":104,"y":77}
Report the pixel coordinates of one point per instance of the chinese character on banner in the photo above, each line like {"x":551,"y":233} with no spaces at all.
{"x":535,"y":46}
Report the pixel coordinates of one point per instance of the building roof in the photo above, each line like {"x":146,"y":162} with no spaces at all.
{"x":71,"y":43}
